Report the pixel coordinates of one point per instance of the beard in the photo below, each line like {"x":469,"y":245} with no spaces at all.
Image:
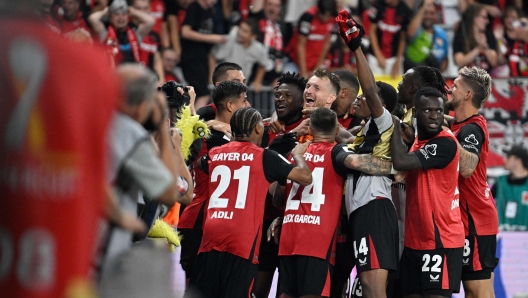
{"x":451,"y":105}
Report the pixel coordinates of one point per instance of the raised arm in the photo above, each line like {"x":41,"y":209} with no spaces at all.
{"x":368,"y":84}
{"x":146,"y":21}
{"x":95,"y":21}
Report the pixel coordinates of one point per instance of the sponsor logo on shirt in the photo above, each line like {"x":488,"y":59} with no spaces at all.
{"x":434,"y":278}
{"x":304,"y":27}
{"x":316,"y":37}
{"x":471,"y":142}
{"x":428,"y":150}
{"x":387,"y":27}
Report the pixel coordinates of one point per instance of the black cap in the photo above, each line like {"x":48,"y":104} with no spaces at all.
{"x":518,"y":151}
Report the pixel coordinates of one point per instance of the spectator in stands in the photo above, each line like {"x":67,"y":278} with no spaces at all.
{"x":311,"y":40}
{"x":428,"y":44}
{"x":511,"y":191}
{"x":516,"y":42}
{"x":294,"y":10}
{"x":45,"y":11}
{"x":169,"y":59}
{"x":136,"y":167}
{"x":70,"y":17}
{"x":197,"y":40}
{"x":123,"y":41}
{"x":174,"y":16}
{"x":389,"y":20}
{"x":268,"y":14}
{"x":149,"y":48}
{"x":243,"y":49}
{"x":473,"y":45}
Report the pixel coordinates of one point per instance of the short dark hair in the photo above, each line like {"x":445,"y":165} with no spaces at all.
{"x":221,"y":70}
{"x":323,"y":120}
{"x":226,"y":91}
{"x":388,"y":95}
{"x":334,"y":80}
{"x":253,"y":25}
{"x":244,"y":121}
{"x":329,"y":6}
{"x":427,"y":92}
{"x":293,"y":79}
{"x":348,"y":78}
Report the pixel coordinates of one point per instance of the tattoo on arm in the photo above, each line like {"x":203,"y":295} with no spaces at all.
{"x":468,"y":162}
{"x":368,"y":164}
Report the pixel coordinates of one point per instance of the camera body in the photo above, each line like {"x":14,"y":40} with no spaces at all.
{"x":174,"y":98}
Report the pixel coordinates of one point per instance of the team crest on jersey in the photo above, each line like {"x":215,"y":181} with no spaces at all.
{"x":429,"y":150}
{"x":524,"y":199}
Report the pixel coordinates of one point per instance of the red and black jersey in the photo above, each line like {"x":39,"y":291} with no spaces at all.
{"x":53,"y":157}
{"x":518,"y":59}
{"x":432,"y":215}
{"x":157,"y":11}
{"x":239,"y":176}
{"x":148,"y":47}
{"x":316,"y":33}
{"x":391,"y":21}
{"x":192,"y":215}
{"x":313,"y":209}
{"x":479,"y":213}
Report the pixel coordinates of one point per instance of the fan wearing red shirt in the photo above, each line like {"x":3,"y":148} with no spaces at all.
{"x":311,"y":40}
{"x":70,"y":17}
{"x":239,"y":176}
{"x":53,"y":122}
{"x":479,"y":213}
{"x":431,"y":263}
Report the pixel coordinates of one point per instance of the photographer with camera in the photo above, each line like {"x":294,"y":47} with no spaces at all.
{"x":136,"y":168}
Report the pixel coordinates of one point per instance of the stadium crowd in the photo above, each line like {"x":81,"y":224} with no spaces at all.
{"x":126,"y":121}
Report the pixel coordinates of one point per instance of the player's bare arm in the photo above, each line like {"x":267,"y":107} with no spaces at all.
{"x":401,"y":159}
{"x":468,"y":162}
{"x":368,"y":84}
{"x":301,"y":173}
{"x":368,"y":164}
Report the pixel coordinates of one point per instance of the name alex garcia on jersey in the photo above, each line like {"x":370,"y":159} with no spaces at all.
{"x":301,"y":218}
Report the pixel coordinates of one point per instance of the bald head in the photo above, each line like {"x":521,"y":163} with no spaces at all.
{"x":139,"y":83}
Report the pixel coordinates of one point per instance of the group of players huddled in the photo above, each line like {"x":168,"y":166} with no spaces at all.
{"x":319,"y":190}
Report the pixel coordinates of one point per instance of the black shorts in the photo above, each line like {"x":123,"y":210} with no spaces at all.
{"x":196,"y":74}
{"x":431,"y":272}
{"x":302,"y":275}
{"x":479,"y":260}
{"x":190,"y":243}
{"x":375,"y":236}
{"x":269,"y":251}
{"x":221,"y":274}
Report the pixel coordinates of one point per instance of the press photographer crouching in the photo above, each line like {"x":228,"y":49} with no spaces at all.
{"x":137,"y":168}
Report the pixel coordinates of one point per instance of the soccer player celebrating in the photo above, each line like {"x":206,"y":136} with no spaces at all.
{"x":305,"y":265}
{"x":479,"y":213}
{"x":228,"y":256}
{"x":228,"y":97}
{"x":431,"y":264}
{"x":372,"y":215}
